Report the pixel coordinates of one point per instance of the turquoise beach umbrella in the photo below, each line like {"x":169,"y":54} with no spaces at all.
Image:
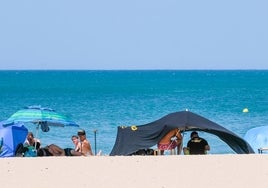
{"x":41,"y":117}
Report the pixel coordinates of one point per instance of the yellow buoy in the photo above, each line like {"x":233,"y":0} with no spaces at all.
{"x":245,"y":110}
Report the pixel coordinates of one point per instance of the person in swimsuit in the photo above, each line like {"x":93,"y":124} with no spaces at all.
{"x":85,"y":148}
{"x":170,"y":141}
{"x":31,"y":141}
{"x":77,"y":144}
{"x":54,"y":150}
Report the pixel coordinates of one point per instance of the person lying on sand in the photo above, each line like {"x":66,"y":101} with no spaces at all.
{"x":54,"y":150}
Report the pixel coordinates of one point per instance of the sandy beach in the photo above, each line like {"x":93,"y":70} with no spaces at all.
{"x":136,"y":171}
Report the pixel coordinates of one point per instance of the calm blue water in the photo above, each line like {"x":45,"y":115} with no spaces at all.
{"x":103,"y":100}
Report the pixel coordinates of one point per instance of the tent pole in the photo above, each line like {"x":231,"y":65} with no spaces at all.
{"x":95,"y":139}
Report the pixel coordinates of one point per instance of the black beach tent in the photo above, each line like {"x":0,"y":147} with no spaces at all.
{"x":130,"y":139}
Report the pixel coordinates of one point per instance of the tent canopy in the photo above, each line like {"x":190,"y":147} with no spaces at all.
{"x":10,"y":137}
{"x":133,"y":138}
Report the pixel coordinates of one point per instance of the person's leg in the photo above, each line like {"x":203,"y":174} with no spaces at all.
{"x":56,"y":150}
{"x":179,"y":148}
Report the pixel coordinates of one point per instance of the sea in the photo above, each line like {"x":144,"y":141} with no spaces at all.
{"x":101,"y":100}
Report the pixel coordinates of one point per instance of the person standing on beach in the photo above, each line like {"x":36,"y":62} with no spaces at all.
{"x":196,"y":145}
{"x":170,"y":141}
{"x":85,"y":148}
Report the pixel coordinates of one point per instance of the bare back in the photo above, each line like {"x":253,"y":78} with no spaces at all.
{"x":167,"y":138}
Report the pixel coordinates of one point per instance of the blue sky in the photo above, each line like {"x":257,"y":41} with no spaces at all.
{"x":138,"y":34}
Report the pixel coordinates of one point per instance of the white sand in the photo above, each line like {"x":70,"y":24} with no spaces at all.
{"x":207,"y":171}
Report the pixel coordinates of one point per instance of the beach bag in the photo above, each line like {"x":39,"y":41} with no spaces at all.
{"x":30,"y":152}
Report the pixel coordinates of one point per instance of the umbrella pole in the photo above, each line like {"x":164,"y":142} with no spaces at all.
{"x":36,"y":134}
{"x":95,"y":139}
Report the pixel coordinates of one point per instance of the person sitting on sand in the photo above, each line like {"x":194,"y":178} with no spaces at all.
{"x":77,"y":144}
{"x":54,"y":150}
{"x":170,"y":141}
{"x":85,"y":148}
{"x":196,"y":145}
{"x":31,"y":141}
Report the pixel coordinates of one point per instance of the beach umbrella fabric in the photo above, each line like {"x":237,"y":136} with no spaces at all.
{"x":257,"y":137}
{"x":10,"y":137}
{"x":40,"y":115}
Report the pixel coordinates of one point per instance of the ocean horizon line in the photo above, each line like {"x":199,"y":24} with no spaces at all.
{"x":145,"y":70}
